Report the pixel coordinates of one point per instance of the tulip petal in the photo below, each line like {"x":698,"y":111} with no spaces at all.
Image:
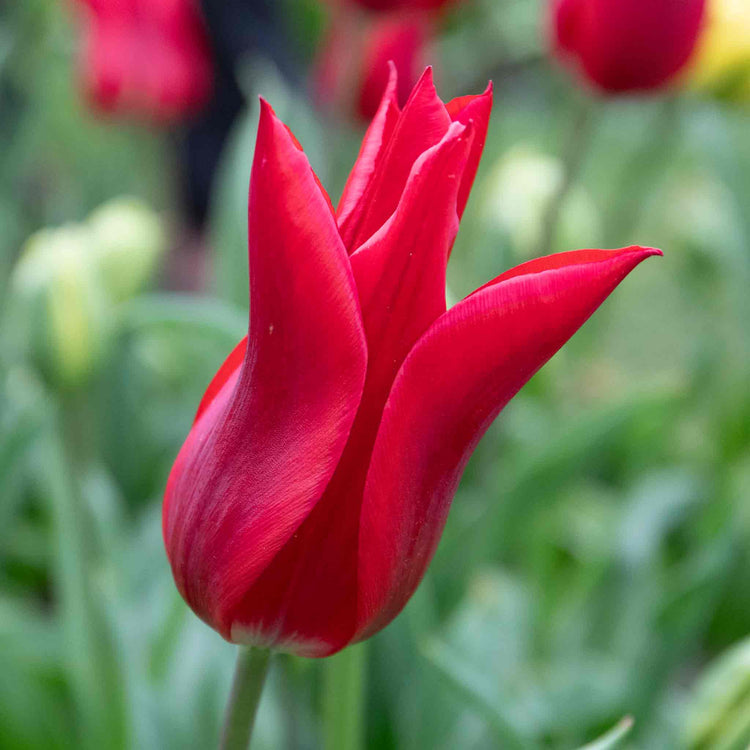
{"x":400,"y":271}
{"x":422,"y":124}
{"x":402,"y":275}
{"x":376,"y":140}
{"x":269,"y":438}
{"x":476,"y":109}
{"x":454,"y":382}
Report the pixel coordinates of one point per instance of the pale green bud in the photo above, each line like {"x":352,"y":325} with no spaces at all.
{"x":128,"y":241}
{"x":517,"y":193}
{"x":60,"y":307}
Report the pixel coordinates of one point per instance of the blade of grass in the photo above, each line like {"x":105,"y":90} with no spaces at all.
{"x":468,"y":688}
{"x":612,"y":738}
{"x":184,"y":311}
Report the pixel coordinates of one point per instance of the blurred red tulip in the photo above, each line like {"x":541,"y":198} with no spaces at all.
{"x":626,"y":45}
{"x":146,"y":58}
{"x":353,"y":68}
{"x":313,"y":488}
{"x":397,"y":41}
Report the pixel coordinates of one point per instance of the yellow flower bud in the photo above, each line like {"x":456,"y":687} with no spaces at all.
{"x":721,"y":63}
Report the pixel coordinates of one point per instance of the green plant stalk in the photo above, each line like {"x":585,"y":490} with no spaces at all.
{"x":90,"y":658}
{"x":344,"y":699}
{"x":643,"y":170}
{"x":573,"y":156}
{"x":247,"y":687}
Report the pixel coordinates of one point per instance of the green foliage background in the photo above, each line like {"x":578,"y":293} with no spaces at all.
{"x":597,"y":558}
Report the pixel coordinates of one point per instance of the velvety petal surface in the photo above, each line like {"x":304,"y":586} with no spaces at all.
{"x":422,"y":123}
{"x":453,"y":384}
{"x":270,"y":433}
{"x":475,"y":109}
{"x":400,"y":271}
{"x":376,"y":140}
{"x":308,"y":592}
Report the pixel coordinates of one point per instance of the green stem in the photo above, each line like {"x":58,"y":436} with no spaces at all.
{"x":91,"y":659}
{"x":572,"y":157}
{"x":344,"y":699}
{"x":643,"y":169}
{"x":247,"y":686}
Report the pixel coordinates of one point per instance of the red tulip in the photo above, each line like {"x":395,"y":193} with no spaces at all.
{"x":148,"y":58}
{"x":353,"y":69}
{"x":309,"y":497}
{"x":400,"y":41}
{"x":626,"y":45}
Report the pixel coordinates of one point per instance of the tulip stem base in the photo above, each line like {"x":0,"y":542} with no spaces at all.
{"x":247,"y":686}
{"x":344,"y":698}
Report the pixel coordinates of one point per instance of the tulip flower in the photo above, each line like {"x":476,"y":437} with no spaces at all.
{"x":147,"y":58}
{"x":626,"y":45}
{"x":353,"y":69}
{"x":309,"y":497}
{"x":400,"y":41}
{"x":353,"y":66}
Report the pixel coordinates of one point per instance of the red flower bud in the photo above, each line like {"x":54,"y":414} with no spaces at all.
{"x":145,"y":58}
{"x":397,"y":40}
{"x":354,"y":65}
{"x":312,"y":490}
{"x":626,"y":45}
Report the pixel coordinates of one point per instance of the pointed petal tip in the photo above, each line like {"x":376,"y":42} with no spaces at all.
{"x":267,"y":115}
{"x":390,"y":95}
{"x":649,"y":251}
{"x":427,"y":78}
{"x":641,"y":251}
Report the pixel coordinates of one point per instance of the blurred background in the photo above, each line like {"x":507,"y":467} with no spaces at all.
{"x":596,"y":563}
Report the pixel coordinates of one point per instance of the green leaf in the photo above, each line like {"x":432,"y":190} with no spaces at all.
{"x":472,"y":690}
{"x":184,"y":312}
